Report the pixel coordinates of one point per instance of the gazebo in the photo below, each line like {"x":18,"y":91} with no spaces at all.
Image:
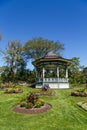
{"x":52,"y":70}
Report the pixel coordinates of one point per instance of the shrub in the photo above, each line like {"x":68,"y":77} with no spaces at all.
{"x":13,"y":90}
{"x":81,"y":90}
{"x":33,"y":97}
{"x":23,"y":104}
{"x":29,"y":105}
{"x":40,"y":102}
{"x":6,"y":85}
{"x":81,"y":94}
{"x":23,"y":99}
{"x":18,"y":90}
{"x":9,"y":90}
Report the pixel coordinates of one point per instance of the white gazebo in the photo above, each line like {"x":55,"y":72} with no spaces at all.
{"x":52,"y":69}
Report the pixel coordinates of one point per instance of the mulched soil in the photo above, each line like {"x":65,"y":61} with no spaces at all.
{"x":23,"y":110}
{"x":44,"y":94}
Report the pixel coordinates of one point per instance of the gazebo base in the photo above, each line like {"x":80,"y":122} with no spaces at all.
{"x":54,"y":85}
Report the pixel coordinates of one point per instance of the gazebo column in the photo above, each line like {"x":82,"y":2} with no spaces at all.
{"x":57,"y":72}
{"x":66,"y":72}
{"x":36,"y":72}
{"x":43,"y":72}
{"x":39,"y":75}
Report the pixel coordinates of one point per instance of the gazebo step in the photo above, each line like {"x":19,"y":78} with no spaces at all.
{"x":38,"y":86}
{"x":58,"y":85}
{"x":63,"y":85}
{"x":54,"y":85}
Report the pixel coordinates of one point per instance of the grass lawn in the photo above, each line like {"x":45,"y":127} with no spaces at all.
{"x":64,"y":115}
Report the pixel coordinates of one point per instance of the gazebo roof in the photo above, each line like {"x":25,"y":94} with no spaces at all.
{"x":51,"y":58}
{"x":52,"y":55}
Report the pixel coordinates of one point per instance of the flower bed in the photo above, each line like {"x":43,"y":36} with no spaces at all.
{"x":80,"y":93}
{"x":49,"y":92}
{"x":32,"y":104}
{"x":23,"y":110}
{"x":83,"y":105}
{"x":13,"y":90}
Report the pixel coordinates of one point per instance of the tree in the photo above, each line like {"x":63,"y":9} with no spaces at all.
{"x":22,"y":74}
{"x":39,"y":47}
{"x":4,"y":73}
{"x":32,"y":77}
{"x":84,"y":72}
{"x":75,"y":71}
{"x":14,"y":57}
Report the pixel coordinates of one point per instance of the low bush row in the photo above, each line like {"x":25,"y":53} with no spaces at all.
{"x":13,"y":90}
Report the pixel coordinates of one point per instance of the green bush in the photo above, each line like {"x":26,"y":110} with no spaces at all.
{"x":18,"y":90}
{"x":23,"y":104}
{"x":33,"y":97}
{"x":13,"y":90}
{"x":6,"y":85}
{"x":23,"y":99}
{"x":81,"y":90}
{"x":9,"y":90}
{"x":29,"y":105}
{"x":40,"y":102}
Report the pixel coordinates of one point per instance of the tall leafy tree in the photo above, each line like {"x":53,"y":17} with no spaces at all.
{"x":75,"y":71}
{"x":84,"y":72}
{"x":38,"y":47}
{"x":14,"y":56}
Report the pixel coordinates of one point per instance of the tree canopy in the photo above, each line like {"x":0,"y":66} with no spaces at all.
{"x":16,"y":56}
{"x":13,"y":56}
{"x":38,"y":47}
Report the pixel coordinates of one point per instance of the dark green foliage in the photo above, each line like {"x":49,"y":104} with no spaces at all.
{"x":22,"y":74}
{"x":23,"y":104}
{"x":39,"y":47}
{"x":23,"y":99}
{"x":51,"y":73}
{"x":33,"y":97}
{"x":75,"y":72}
{"x":29,"y":105}
{"x":5,"y":74}
{"x":32,"y":77}
{"x":81,"y":90}
{"x":84,"y":72}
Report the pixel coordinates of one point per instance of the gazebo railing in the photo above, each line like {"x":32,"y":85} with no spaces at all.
{"x":48,"y":80}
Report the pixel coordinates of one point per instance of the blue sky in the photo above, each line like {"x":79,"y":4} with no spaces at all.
{"x":63,"y":20}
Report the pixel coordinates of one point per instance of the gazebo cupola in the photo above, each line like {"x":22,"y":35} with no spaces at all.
{"x":52,"y":69}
